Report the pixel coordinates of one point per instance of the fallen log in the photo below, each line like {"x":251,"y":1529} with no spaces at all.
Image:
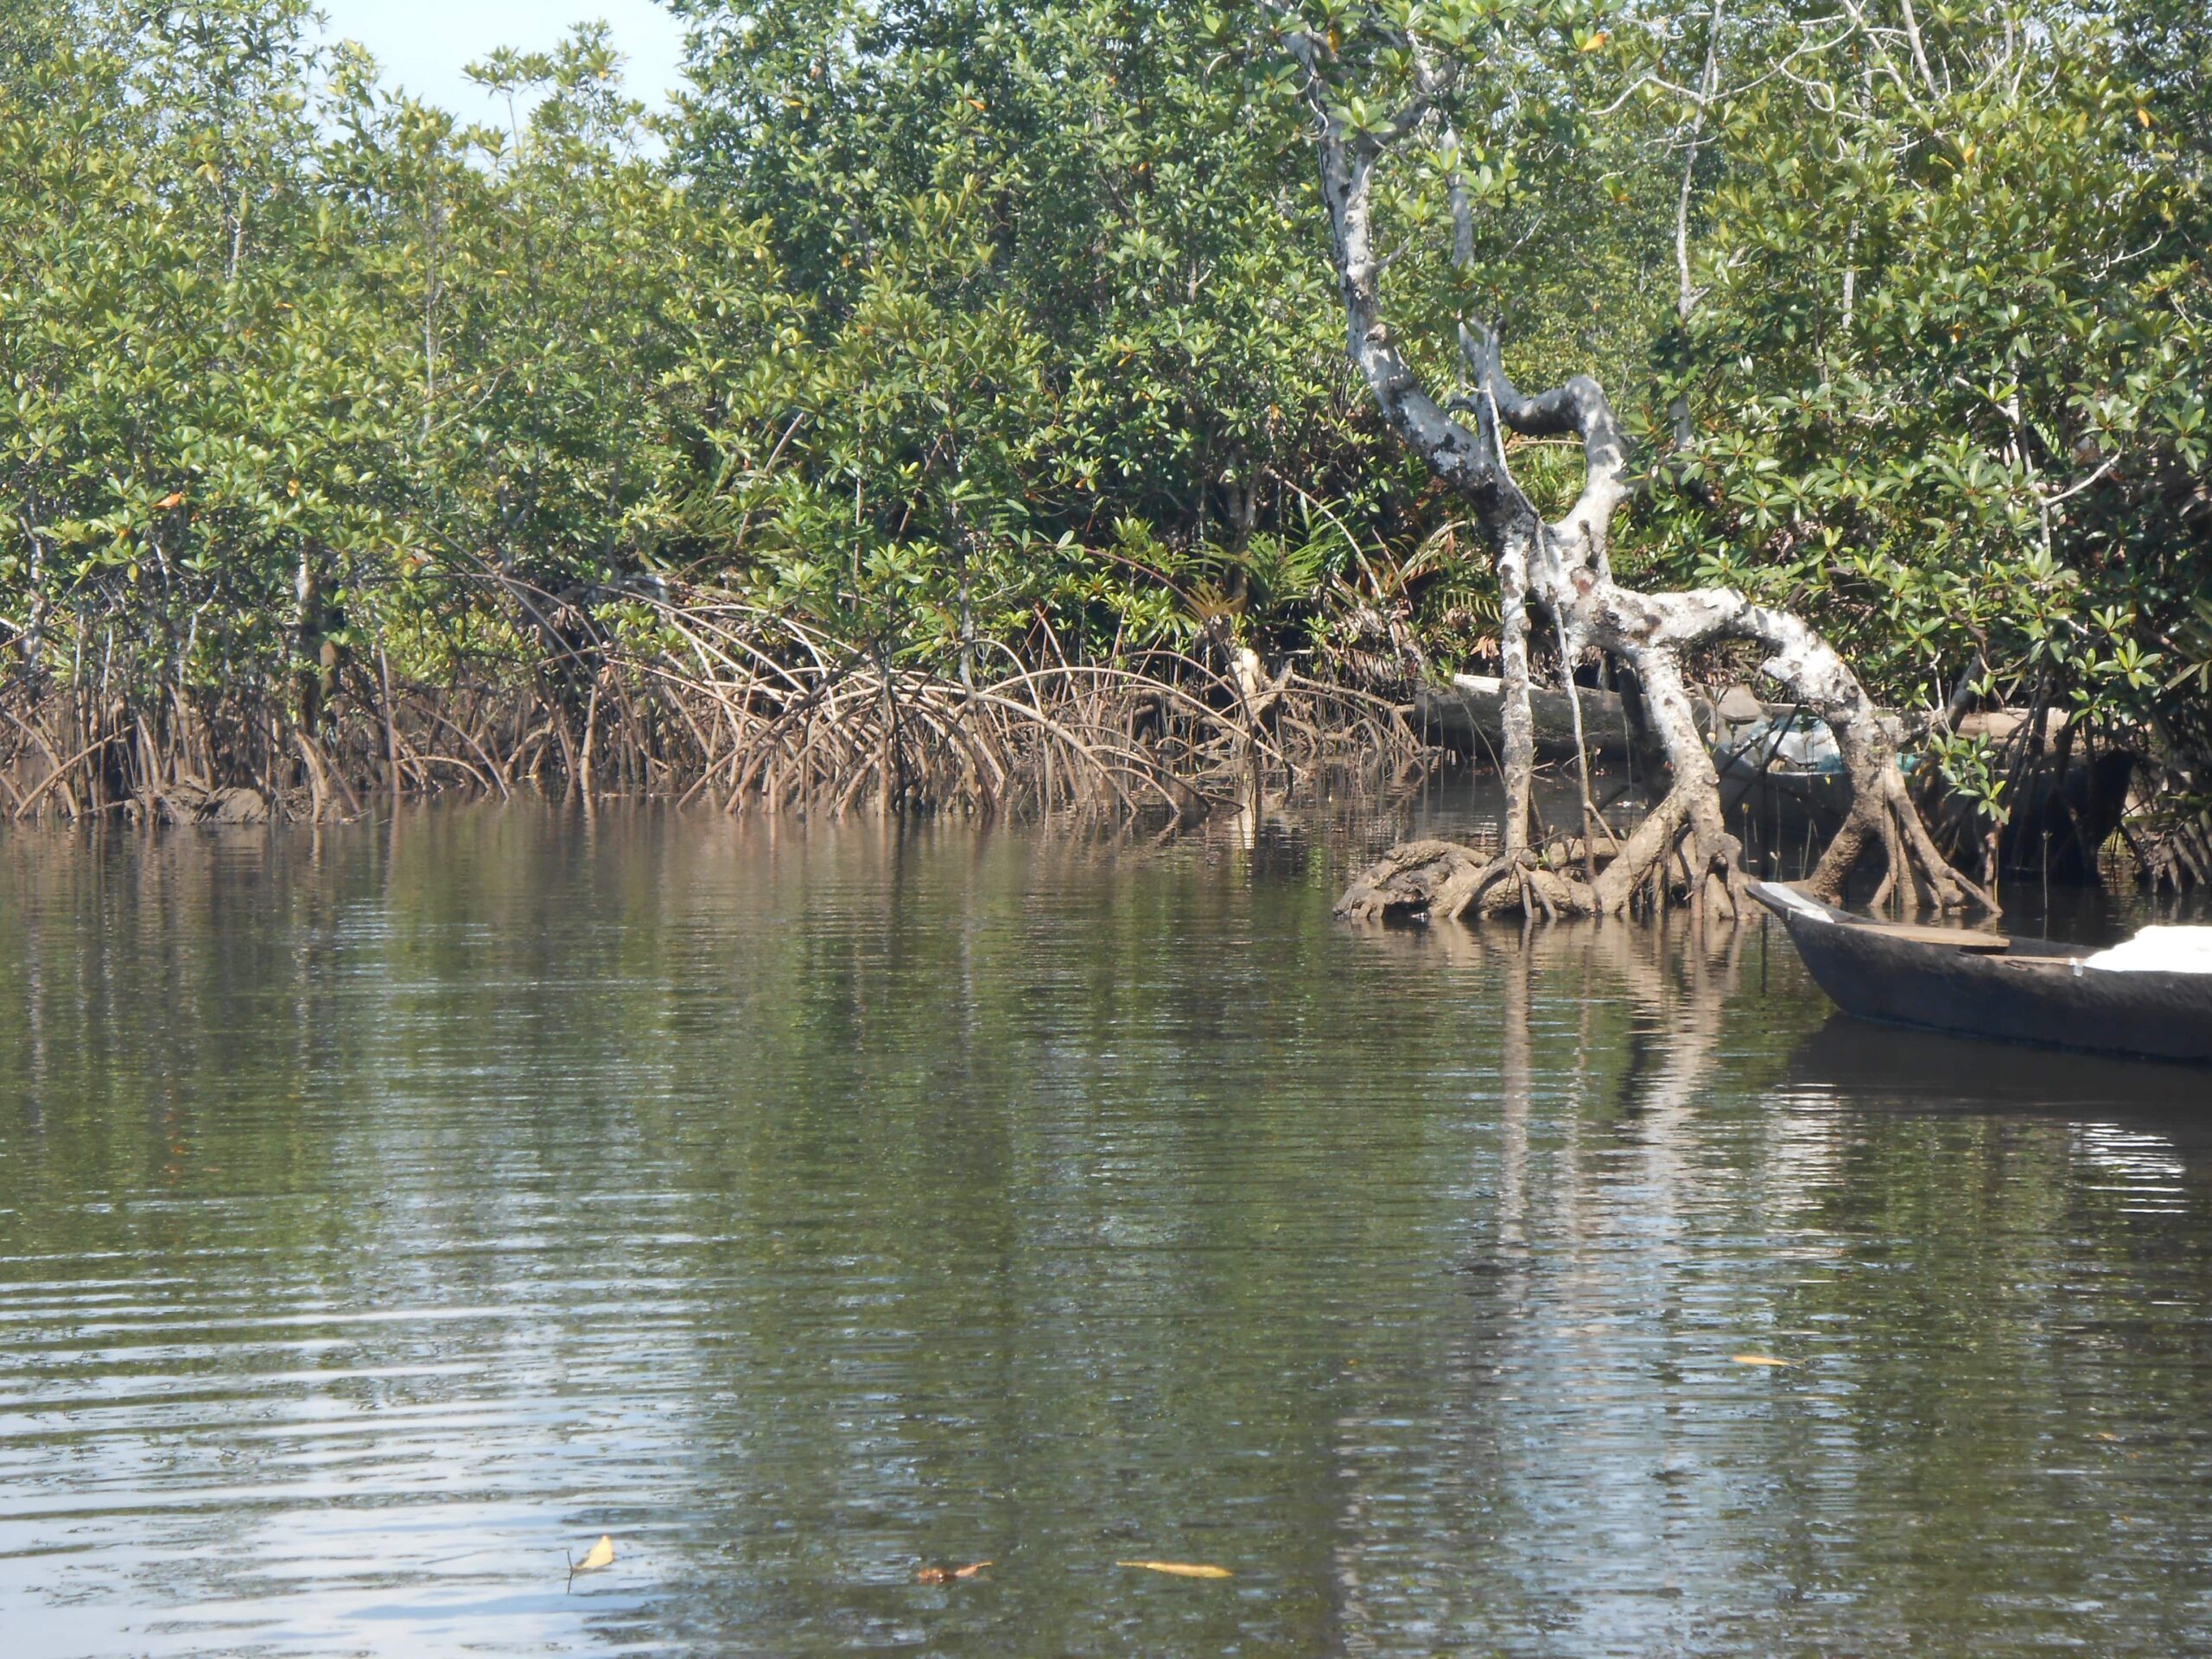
{"x":1467,"y":716}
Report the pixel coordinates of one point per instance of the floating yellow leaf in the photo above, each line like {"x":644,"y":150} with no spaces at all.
{"x":947,"y":1574}
{"x":599,"y":1554}
{"x":1761,"y":1359}
{"x":1180,"y":1569}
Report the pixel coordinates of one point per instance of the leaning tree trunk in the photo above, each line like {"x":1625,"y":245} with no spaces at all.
{"x":1561,"y":570}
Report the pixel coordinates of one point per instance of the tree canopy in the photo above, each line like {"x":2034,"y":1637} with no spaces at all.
{"x":1008,"y":326}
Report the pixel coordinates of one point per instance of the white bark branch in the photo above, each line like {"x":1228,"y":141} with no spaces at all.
{"x":1563,"y":568}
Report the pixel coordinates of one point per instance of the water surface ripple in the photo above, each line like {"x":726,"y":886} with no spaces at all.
{"x":384,"y":1213}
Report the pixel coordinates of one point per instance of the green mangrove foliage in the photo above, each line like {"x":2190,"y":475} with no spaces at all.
{"x":928,"y":359}
{"x":1948,"y":365}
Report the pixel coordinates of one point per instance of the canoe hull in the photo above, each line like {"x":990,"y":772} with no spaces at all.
{"x":2048,"y":1000}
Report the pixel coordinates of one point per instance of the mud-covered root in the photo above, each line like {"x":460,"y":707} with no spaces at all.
{"x":1914,"y":871}
{"x":1414,"y":878}
{"x":1678,"y":854}
{"x":1521,"y":884}
{"x":1444,"y":880}
{"x":1674,"y":856}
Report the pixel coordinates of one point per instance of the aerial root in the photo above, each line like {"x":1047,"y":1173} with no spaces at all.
{"x":723,"y":702}
{"x":1667,"y":860}
{"x":1445,"y":881}
{"x":1914,"y":872}
{"x":1676,"y":855}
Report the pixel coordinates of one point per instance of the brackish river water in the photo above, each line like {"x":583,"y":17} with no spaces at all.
{"x":384,"y":1213}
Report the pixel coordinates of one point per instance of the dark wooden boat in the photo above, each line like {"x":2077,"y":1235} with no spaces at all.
{"x":1979,"y":984}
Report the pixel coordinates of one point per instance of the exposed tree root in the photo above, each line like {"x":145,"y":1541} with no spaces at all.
{"x":1914,"y":871}
{"x":1561,"y":572}
{"x":1664,"y":861}
{"x":721,"y":703}
{"x":1420,"y":878}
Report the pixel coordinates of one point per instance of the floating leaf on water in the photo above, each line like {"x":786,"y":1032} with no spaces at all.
{"x":599,"y":1554}
{"x":947,"y":1574}
{"x":1762,"y":1359}
{"x":1180,"y":1569}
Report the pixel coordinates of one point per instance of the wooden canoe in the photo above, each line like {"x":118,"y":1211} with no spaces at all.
{"x":1987,"y":985}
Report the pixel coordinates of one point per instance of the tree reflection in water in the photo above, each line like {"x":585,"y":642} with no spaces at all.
{"x":382,"y":1212}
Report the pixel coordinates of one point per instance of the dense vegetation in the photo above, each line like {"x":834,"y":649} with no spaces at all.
{"x":927,"y":355}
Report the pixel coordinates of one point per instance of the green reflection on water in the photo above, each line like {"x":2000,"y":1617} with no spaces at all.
{"x":382,"y":1212}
